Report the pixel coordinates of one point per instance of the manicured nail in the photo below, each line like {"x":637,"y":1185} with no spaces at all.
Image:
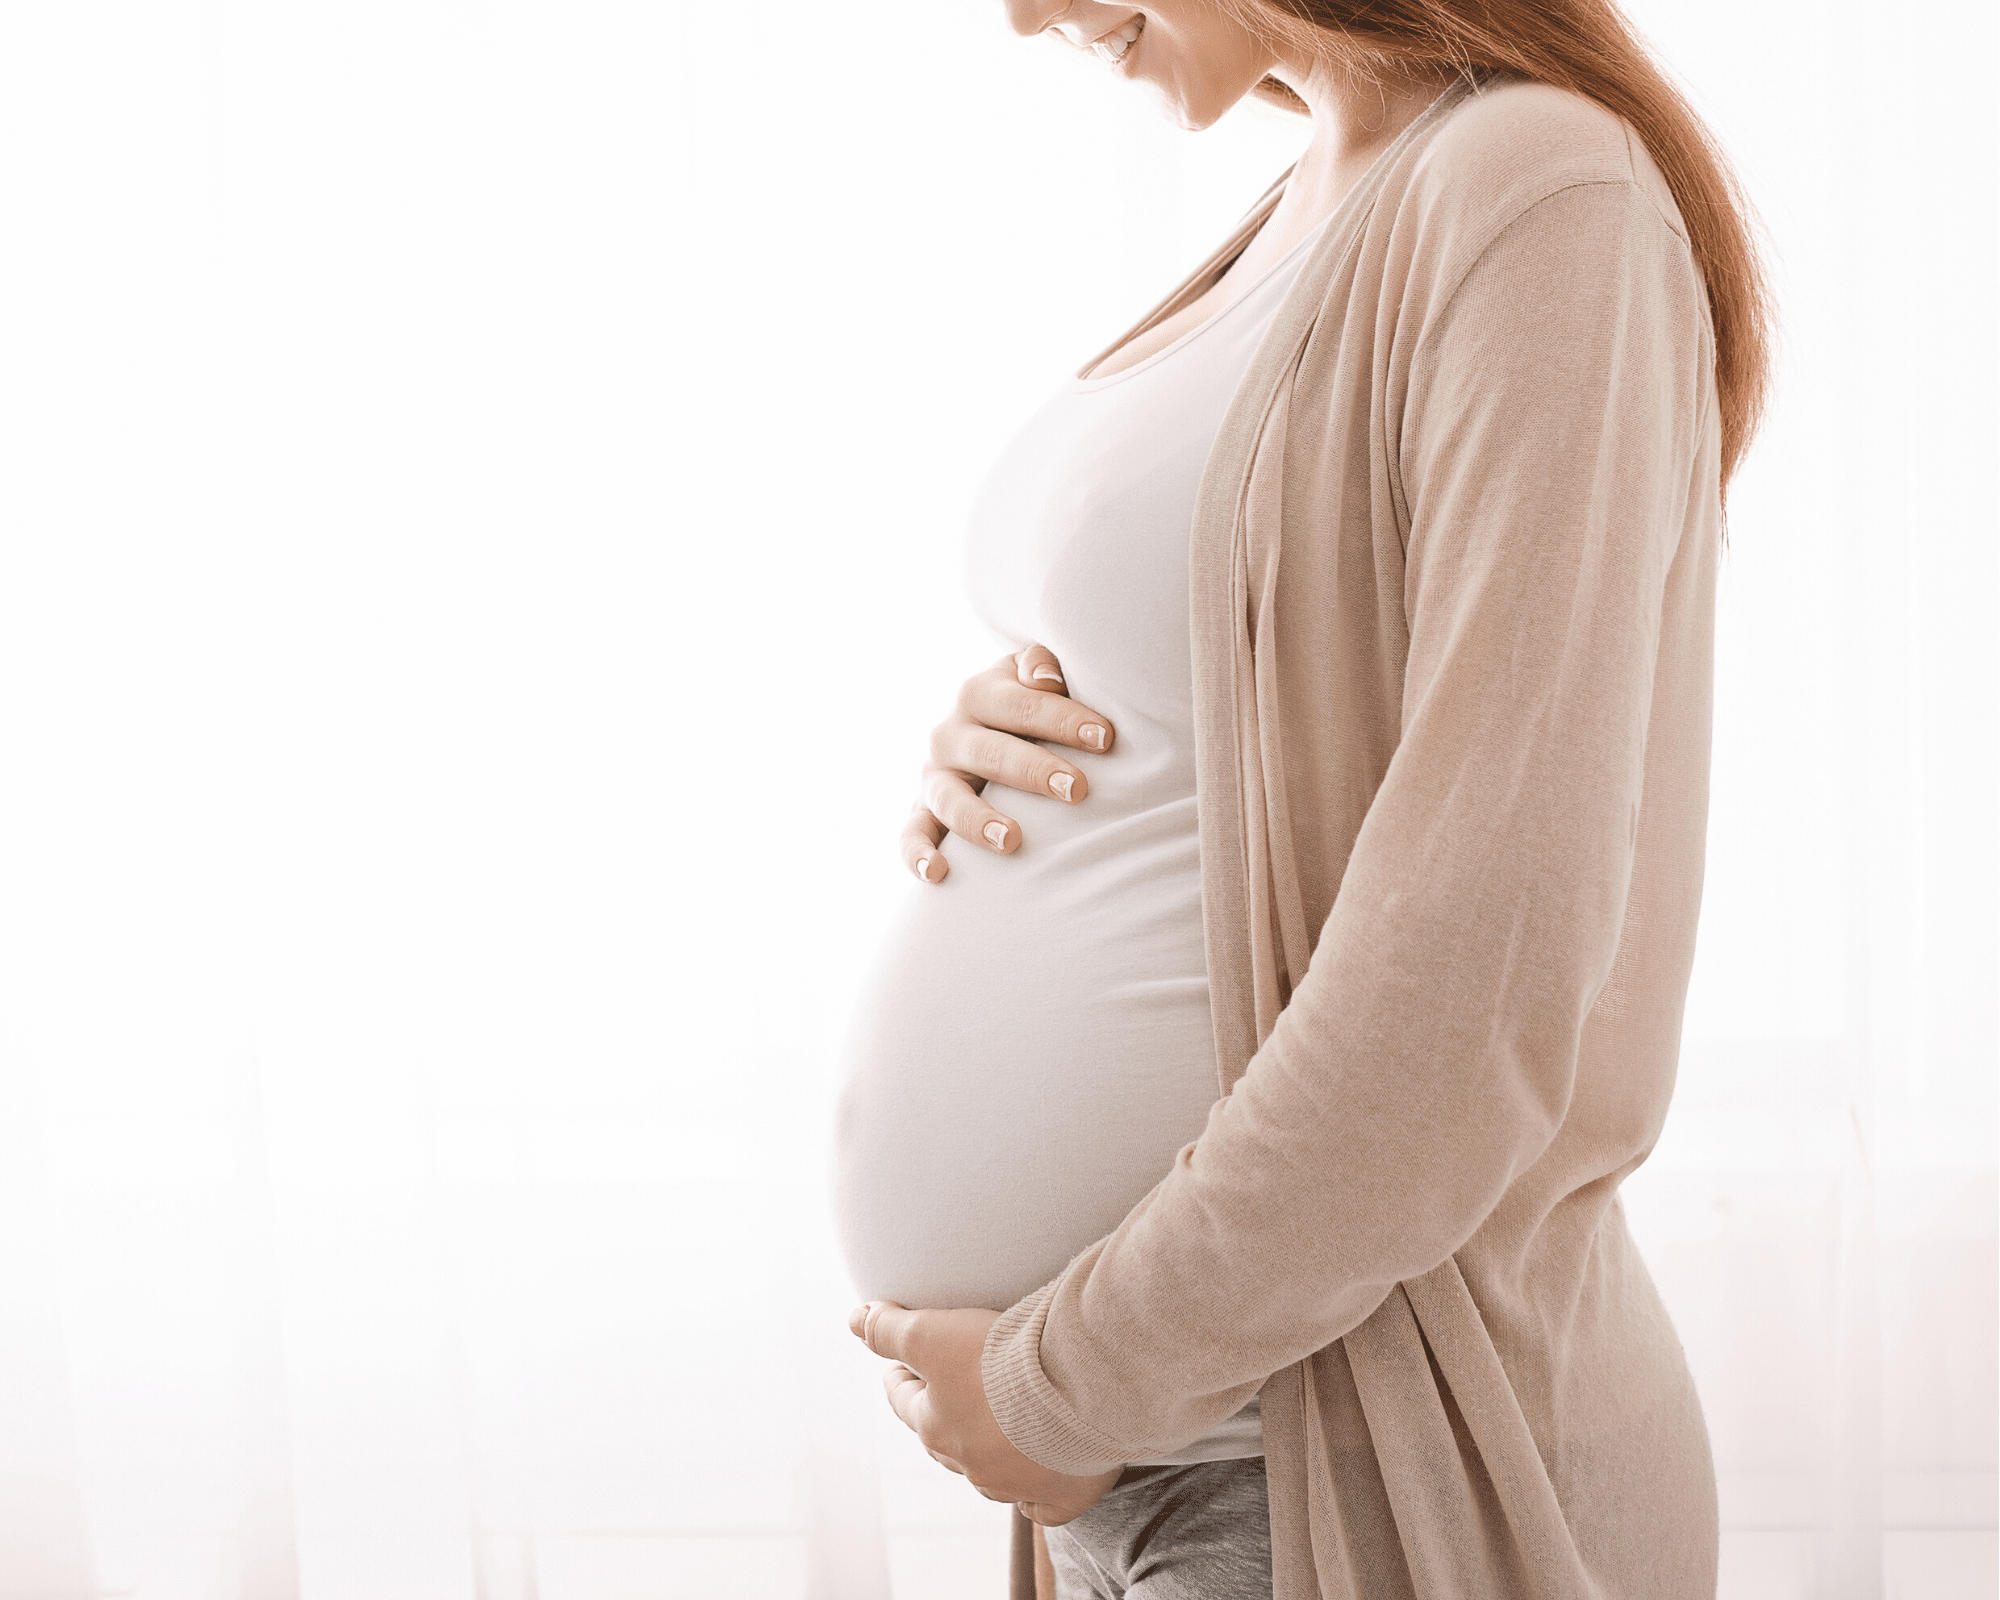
{"x":924,"y":869}
{"x":1060,"y":783}
{"x":1091,"y":734}
{"x":1046,"y":674}
{"x":996,"y":834}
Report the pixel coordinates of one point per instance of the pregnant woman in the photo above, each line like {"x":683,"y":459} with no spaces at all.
{"x":1233,"y":1126}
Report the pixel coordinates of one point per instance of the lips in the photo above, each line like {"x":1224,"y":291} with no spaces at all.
{"x":1113,"y":45}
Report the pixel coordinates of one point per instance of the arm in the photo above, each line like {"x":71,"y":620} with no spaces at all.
{"x":1426,"y":1059}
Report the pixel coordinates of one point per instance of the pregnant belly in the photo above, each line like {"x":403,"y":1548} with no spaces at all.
{"x":1031,"y":1053}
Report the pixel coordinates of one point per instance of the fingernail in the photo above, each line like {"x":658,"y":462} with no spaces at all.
{"x":1091,"y":734}
{"x":857,"y":1322}
{"x":996,"y":834}
{"x":1060,"y":783}
{"x":1046,"y":674}
{"x":924,"y":869}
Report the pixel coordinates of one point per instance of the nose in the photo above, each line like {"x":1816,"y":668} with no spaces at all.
{"x":1030,"y":17}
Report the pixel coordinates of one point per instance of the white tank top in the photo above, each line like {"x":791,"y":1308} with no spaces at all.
{"x":1034,"y":1046}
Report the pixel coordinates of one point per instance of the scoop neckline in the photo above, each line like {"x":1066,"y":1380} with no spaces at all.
{"x":1447,"y":99}
{"x":1081,"y":381}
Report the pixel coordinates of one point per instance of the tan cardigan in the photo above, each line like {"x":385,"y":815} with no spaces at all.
{"x":1453,"y":588}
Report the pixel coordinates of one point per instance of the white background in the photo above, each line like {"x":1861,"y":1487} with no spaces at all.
{"x":478,"y":556}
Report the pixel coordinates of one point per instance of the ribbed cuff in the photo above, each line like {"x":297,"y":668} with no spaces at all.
{"x":1036,"y":1419}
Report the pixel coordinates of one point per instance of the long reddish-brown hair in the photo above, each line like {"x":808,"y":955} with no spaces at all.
{"x":1587,"y":47}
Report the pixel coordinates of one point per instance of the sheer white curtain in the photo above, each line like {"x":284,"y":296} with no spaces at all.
{"x":477,"y":557}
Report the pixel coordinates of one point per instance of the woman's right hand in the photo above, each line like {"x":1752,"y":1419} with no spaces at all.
{"x":985,"y":740}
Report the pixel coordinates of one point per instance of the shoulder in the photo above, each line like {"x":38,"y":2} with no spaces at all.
{"x":1533,"y":185}
{"x":1511,"y":144}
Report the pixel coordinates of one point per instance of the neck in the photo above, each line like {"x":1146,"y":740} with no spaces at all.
{"x":1357,"y":112}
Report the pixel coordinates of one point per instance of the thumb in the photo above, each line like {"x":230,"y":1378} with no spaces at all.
{"x":1037,"y":668}
{"x":887,"y":1329}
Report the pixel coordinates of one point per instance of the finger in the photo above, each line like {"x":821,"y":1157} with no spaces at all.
{"x":1050,"y":1513}
{"x":922,"y":836}
{"x":992,"y":700}
{"x":1077,"y":1496}
{"x":889,"y":1330}
{"x":1037,"y":668}
{"x":951,"y":799}
{"x":906,"y":1396}
{"x":983,"y":752}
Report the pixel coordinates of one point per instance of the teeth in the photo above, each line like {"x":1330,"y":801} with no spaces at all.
{"x":1112,"y":47}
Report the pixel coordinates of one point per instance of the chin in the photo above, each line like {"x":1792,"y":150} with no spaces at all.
{"x":1194,"y":121}
{"x":1193,"y":110}
{"x":1196,"y":101}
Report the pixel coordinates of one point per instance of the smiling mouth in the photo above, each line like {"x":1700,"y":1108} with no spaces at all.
{"x":1113,"y":45}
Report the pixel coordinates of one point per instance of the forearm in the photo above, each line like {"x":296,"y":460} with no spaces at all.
{"x":1412,"y":1078}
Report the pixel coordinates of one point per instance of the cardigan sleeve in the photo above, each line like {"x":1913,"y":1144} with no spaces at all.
{"x":1555,"y":400}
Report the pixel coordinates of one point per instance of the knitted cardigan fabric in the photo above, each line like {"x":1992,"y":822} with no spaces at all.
{"x":1453,"y":573}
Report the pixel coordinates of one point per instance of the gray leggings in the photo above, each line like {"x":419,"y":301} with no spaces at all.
{"x":1200,"y":1532}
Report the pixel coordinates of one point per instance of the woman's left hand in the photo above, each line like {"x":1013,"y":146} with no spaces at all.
{"x":936,"y":1388}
